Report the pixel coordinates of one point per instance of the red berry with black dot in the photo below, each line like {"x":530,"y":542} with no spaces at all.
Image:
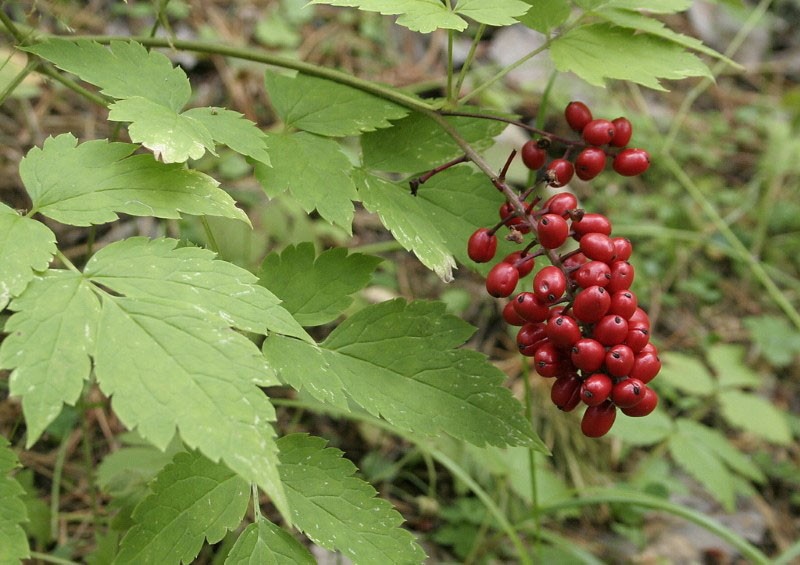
{"x":482,"y":245}
{"x":552,"y":231}
{"x":573,"y":261}
{"x":610,"y":330}
{"x":646,"y":366}
{"x":548,"y":360}
{"x":524,"y":262}
{"x":511,"y":317}
{"x":622,"y":274}
{"x":577,"y":115}
{"x":622,"y":247}
{"x":566,"y":392}
{"x":530,"y":308}
{"x":561,"y":203}
{"x":598,"y":247}
{"x":645,"y":406}
{"x":533,"y":155}
{"x":564,"y":331}
{"x":591,"y":304}
{"x":640,"y":318}
{"x":592,"y":273}
{"x":631,"y":162}
{"x":623,"y":303}
{"x":596,"y":389}
{"x":560,"y":172}
{"x":619,"y":360}
{"x":598,"y":132}
{"x":531,"y":337}
{"x":628,"y":393}
{"x":598,"y":420}
{"x":502,"y":280}
{"x":549,"y":284}
{"x":638,"y":337}
{"x":588,"y":355}
{"x":591,"y":223}
{"x":589,"y":163}
{"x":623,"y":131}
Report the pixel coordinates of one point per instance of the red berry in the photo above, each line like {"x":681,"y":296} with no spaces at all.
{"x":637,"y":338}
{"x":530,"y":308}
{"x":646,"y":366}
{"x":482,"y":245}
{"x":645,"y":406}
{"x":623,"y":248}
{"x":560,"y":203}
{"x":619,"y":360}
{"x":509,"y":216}
{"x":523,"y":262}
{"x":628,"y":393}
{"x":549,"y":284}
{"x":533,"y":156}
{"x":566,"y":392}
{"x":531,"y":337}
{"x":622,"y":274}
{"x":548,"y":361}
{"x":502,"y":280}
{"x":610,"y":330}
{"x":560,"y":171}
{"x":598,"y":247}
{"x":591,"y":304}
{"x":552,"y":231}
{"x":598,"y":132}
{"x":597,"y":420}
{"x":511,"y":317}
{"x":589,"y":163}
{"x":573,"y":261}
{"x":578,"y":115}
{"x":596,"y":388}
{"x":623,"y":130}
{"x":564,"y":331}
{"x":631,"y":162}
{"x":623,"y":303}
{"x":588,"y":355}
{"x":640,"y":317}
{"x":591,"y":223}
{"x":592,"y":273}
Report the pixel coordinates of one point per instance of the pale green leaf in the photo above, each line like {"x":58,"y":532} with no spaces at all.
{"x":546,"y":15}
{"x":155,"y":270}
{"x":600,"y":51}
{"x":92,"y":182}
{"x":168,"y":367}
{"x":754,"y":414}
{"x":654,"y":429}
{"x":316,"y":173}
{"x":193,"y":500}
{"x":172,"y":137}
{"x":339,"y":511}
{"x":716,"y":442}
{"x":424,"y":16}
{"x":653,"y":6}
{"x":232,"y":129}
{"x":328,"y":108}
{"x":417,"y":143}
{"x":26,"y":246}
{"x":316,"y":290}
{"x":13,"y":541}
{"x":51,"y":336}
{"x":124,"y":70}
{"x":398,"y":361}
{"x":264,"y":543}
{"x":126,"y":472}
{"x":728,"y":363}
{"x":778,"y":341}
{"x":686,"y":373}
{"x":494,"y":13}
{"x":408,"y":220}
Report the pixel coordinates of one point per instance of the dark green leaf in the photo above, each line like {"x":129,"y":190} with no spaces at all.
{"x":13,"y":542}
{"x":264,"y":543}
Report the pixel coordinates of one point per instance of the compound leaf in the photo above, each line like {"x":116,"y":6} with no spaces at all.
{"x":729,"y":364}
{"x":26,"y":246}
{"x":327,"y":108}
{"x":756,"y":415}
{"x":718,"y":444}
{"x":232,"y":129}
{"x":546,"y":15}
{"x":90,"y":183}
{"x":601,"y":51}
{"x":50,"y":338}
{"x":777,"y":340}
{"x":125,"y":69}
{"x":424,"y":16}
{"x":339,"y":511}
{"x":494,"y":13}
{"x":193,"y":500}
{"x":315,"y":171}
{"x":155,"y":270}
{"x":13,"y":541}
{"x":686,"y":373}
{"x":316,"y":289}
{"x":264,"y":543}
{"x":397,"y":360}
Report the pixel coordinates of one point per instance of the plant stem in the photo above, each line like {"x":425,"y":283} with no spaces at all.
{"x":468,"y":61}
{"x":256,"y":504}
{"x":535,"y":514}
{"x":51,"y":558}
{"x":212,"y":241}
{"x":17,"y":80}
{"x":55,"y":487}
{"x":451,"y":95}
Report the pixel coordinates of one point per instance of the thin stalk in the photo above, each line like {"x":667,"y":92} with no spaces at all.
{"x":17,"y":80}
{"x":789,"y":556}
{"x":66,"y":262}
{"x":256,"y":505}
{"x":379,"y":247}
{"x":55,"y":487}
{"x":212,"y":241}
{"x":51,"y":558}
{"x":88,"y":470}
{"x":462,"y":75}
{"x":535,"y":514}
{"x":451,"y":95}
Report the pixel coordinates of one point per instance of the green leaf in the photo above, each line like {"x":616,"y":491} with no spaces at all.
{"x":316,"y":290}
{"x":778,"y":340}
{"x":686,"y":373}
{"x":728,"y":363}
{"x":338,"y":511}
{"x":756,"y":415}
{"x":124,"y":70}
{"x":13,"y":541}
{"x":26,"y":246}
{"x":494,"y":13}
{"x":398,"y":360}
{"x":417,"y":143}
{"x":654,"y":429}
{"x":154,"y":270}
{"x":546,"y":15}
{"x":325,"y":186}
{"x":600,"y":51}
{"x":406,"y":217}
{"x":126,"y":472}
{"x":50,"y":339}
{"x":232,"y":129}
{"x":193,"y":500}
{"x":90,"y":183}
{"x":327,"y":108}
{"x":653,"y":6}
{"x":172,"y":137}
{"x":264,"y":543}
{"x":424,"y":16}
{"x":716,"y":442}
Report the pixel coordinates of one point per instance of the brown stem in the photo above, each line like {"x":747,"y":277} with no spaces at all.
{"x":415,"y":183}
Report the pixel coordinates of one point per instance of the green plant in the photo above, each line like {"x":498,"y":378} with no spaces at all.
{"x":194,"y":353}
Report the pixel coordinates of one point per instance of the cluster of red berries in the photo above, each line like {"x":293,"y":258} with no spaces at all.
{"x":581,"y":323}
{"x":600,"y":140}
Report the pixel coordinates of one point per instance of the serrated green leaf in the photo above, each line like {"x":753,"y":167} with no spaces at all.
{"x":600,"y":51}
{"x":406,"y":217}
{"x":423,"y":16}
{"x":756,"y":415}
{"x":325,"y":186}
{"x":316,"y":289}
{"x":728,"y":363}
{"x":778,"y":341}
{"x":193,"y":500}
{"x":416,"y":143}
{"x":50,"y":339}
{"x":546,"y":15}
{"x":25,"y":246}
{"x":232,"y":129}
{"x":13,"y":541}
{"x":397,"y":360}
{"x":702,"y":464}
{"x":90,"y":183}
{"x":126,"y":472}
{"x":653,"y":6}
{"x":494,"y":13}
{"x":327,"y":108}
{"x":715,"y":441}
{"x":338,"y":511}
{"x":264,"y":543}
{"x":686,"y":373}
{"x":170,"y":367}
{"x":155,"y":270}
{"x":643,"y":431}
{"x":172,"y":137}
